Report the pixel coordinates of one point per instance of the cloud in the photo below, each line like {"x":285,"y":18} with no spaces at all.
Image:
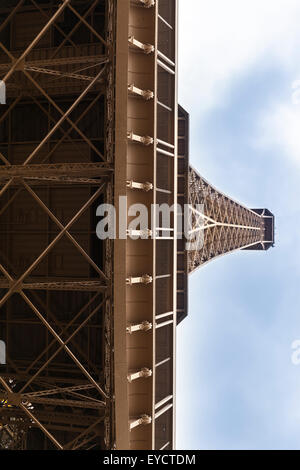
{"x":244,"y":389}
{"x":279,"y":127}
{"x":220,"y":40}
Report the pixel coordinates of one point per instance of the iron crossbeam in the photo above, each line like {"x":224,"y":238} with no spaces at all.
{"x":54,"y":418}
{"x":59,"y":62}
{"x":70,"y":285}
{"x":56,"y":169}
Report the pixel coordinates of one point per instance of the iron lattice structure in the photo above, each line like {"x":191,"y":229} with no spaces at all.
{"x":89,"y":325}
{"x":222,"y":225}
{"x":56,"y":153}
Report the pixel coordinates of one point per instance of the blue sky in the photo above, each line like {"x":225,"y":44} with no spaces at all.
{"x":236,"y":385}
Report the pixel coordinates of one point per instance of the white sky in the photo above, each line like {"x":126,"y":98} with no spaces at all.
{"x":219,"y":40}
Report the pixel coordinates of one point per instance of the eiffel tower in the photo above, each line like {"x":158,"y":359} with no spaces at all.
{"x":227,"y":224}
{"x":90,"y":325}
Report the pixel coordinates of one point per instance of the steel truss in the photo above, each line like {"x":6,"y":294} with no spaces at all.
{"x":56,"y":392}
{"x":219,"y":224}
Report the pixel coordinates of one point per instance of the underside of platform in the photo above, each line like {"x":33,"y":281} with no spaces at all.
{"x":56,"y":154}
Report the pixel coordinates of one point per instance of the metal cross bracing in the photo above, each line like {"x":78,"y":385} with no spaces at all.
{"x":56,"y":166}
{"x":219,"y":224}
